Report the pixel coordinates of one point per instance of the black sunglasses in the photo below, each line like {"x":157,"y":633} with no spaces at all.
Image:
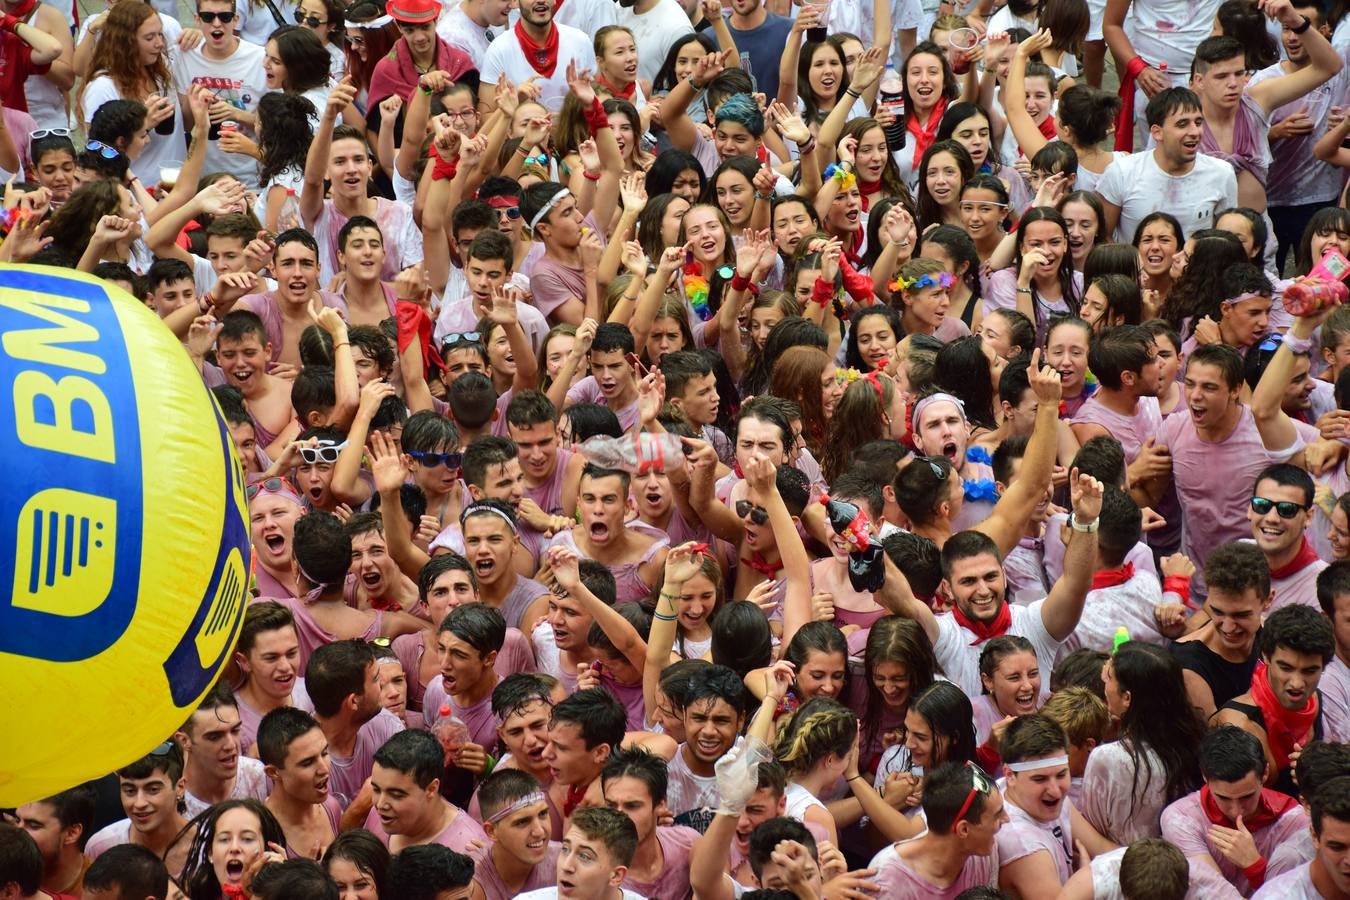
{"x":223,"y":18}
{"x":432,"y":460}
{"x":311,"y":21}
{"x":758,"y":514}
{"x":1286,"y":509}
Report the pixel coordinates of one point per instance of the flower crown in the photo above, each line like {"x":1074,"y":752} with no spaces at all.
{"x":927,"y":280}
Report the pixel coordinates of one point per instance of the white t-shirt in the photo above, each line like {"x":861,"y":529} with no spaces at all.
{"x":653,"y":33}
{"x":961,"y":661}
{"x":162,"y":147}
{"x":255,"y":22}
{"x":505,"y":56}
{"x":586,"y":16}
{"x":239,"y":81}
{"x":1139,"y":186}
{"x":458,"y":30}
{"x":1169,"y":31}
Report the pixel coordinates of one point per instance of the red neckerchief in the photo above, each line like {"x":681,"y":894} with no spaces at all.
{"x":1271,"y":806}
{"x":924,"y":135}
{"x":853,"y":249}
{"x":986,"y":630}
{"x":575,"y":794}
{"x":1306,"y":556}
{"x":868,"y":187}
{"x":761,"y":565}
{"x":24,"y":8}
{"x":542,"y":58}
{"x":415,"y":324}
{"x":1284,"y":727}
{"x":233,"y":892}
{"x":1048,"y":130}
{"x":620,"y":93}
{"x":1105,"y":578}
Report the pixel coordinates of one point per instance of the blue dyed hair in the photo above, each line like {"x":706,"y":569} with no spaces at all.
{"x":742,"y":109}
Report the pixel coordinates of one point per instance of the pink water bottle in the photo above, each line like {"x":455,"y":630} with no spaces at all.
{"x":450,"y":730}
{"x":1321,"y":288}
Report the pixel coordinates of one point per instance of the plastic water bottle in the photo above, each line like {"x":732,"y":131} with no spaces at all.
{"x":1320,"y":288}
{"x":634,"y":453}
{"x":892,"y":91}
{"x":289,"y":217}
{"x":450,"y":730}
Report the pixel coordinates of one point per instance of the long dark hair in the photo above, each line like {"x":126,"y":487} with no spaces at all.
{"x":667,"y":167}
{"x":665,"y":76}
{"x":852,"y":356}
{"x":963,"y":371}
{"x":199,"y":876}
{"x":899,"y":640}
{"x":956,"y":114}
{"x":811,"y":108}
{"x":1067,"y":284}
{"x":947,"y":710}
{"x":1197,"y":291}
{"x":930,"y":212}
{"x":1328,"y":219}
{"x":819,"y":637}
{"x":286,"y":133}
{"x":1160,"y":718}
{"x":961,"y":248}
{"x":649,"y":224}
{"x":307,"y":60}
{"x":949,"y":86}
{"x":892,"y":183}
{"x":791,"y":331}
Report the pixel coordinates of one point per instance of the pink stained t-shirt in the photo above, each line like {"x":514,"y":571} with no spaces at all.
{"x":895,"y":878}
{"x":1335,"y":688}
{"x":1297,"y":587}
{"x":1022,"y":835}
{"x":1215,"y":497}
{"x":349,"y":773}
{"x":588,"y":391}
{"x":1121,"y":800}
{"x":673,"y":884}
{"x":268,"y":309}
{"x":549,"y":494}
{"x":1139,"y":556}
{"x":461,"y":831}
{"x":1205,"y":882}
{"x":516,"y":656}
{"x":1185,"y":824}
{"x":250,"y":717}
{"x":544,"y":873}
{"x":312,"y":635}
{"x":553,"y":283}
{"x":482,"y":724}
{"x":1128,"y":605}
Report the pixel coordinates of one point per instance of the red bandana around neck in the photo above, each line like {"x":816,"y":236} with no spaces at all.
{"x":761,"y":565}
{"x":1105,"y":578}
{"x":866,"y":188}
{"x":1284,"y":727}
{"x":924,"y":135}
{"x":543,"y":58}
{"x":1271,"y":806}
{"x":986,"y":630}
{"x":1306,"y":556}
{"x":621,"y":93}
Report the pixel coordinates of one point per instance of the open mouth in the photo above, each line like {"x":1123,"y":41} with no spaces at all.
{"x":599,"y":531}
{"x":315,"y":493}
{"x":709,"y":747}
{"x":372,"y":579}
{"x":949,"y":450}
{"x":234,"y":870}
{"x":484,"y":567}
{"x":276,"y":543}
{"x":217,"y":35}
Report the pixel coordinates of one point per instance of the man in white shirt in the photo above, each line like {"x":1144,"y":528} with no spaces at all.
{"x":1172,"y":176}
{"x":537,"y":47}
{"x":232,"y":70}
{"x":656,"y":24}
{"x":472,"y":25}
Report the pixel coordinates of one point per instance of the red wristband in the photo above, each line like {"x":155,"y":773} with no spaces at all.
{"x":822,"y":292}
{"x":1179,"y":585}
{"x":9,"y":22}
{"x":743,"y":283}
{"x":1255,"y":873}
{"x":443,"y":170}
{"x":596,"y":117}
{"x":589,"y":177}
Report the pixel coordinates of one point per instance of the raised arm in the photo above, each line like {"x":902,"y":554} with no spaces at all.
{"x":787,"y":63}
{"x":1323,"y":61}
{"x":682,"y":563}
{"x":1024,"y":128}
{"x":346,"y":483}
{"x":680,"y":128}
{"x":1276,"y":428}
{"x":316,"y":161}
{"x":1064,"y":607}
{"x":721,"y":521}
{"x":760,"y":477}
{"x":1010,"y":515}
{"x":390,"y":474}
{"x":348,"y":389}
{"x":565,"y":564}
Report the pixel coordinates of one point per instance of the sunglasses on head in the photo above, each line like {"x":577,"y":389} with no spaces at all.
{"x":934,"y":466}
{"x":356,"y":40}
{"x":102,"y":149}
{"x":49,"y":132}
{"x":223,"y":18}
{"x":311,"y":21}
{"x":432,"y":460}
{"x":758,"y":514}
{"x":979,"y":784}
{"x":273,"y":485}
{"x":163,"y":749}
{"x":1286,"y":509}
{"x":324,"y":453}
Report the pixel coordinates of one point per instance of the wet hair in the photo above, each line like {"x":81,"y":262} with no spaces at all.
{"x":116,"y":123}
{"x":1230,"y":753}
{"x":1299,"y":628}
{"x":961,"y":249}
{"x":504,"y":787}
{"x":588,"y":420}
{"x":518,"y":690}
{"x":364,"y":851}
{"x":611,"y":828}
{"x":998,"y":649}
{"x":1237,"y":567}
{"x":770,"y":833}
{"x":1069,"y":291}
{"x":1123,"y":300}
{"x":741,"y":639}
{"x":335,"y":672}
{"x":640,"y":764}
{"x":1160,"y":719}
{"x":125,"y":870}
{"x":1031,"y":737}
{"x":294,"y":879}
{"x":199,"y":875}
{"x":963,"y":371}
{"x":947,"y":791}
{"x":1224,"y":358}
{"x":1154,"y":869}
{"x":415,"y":753}
{"x":946,"y":709}
{"x":669,"y":165}
{"x":599,"y":717}
{"x":278,"y":730}
{"x":1056,"y":157}
{"x":426,"y":871}
{"x":821,"y":726}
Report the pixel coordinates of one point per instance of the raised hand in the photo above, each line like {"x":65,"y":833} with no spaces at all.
{"x":566,"y":566}
{"x":1045,"y":382}
{"x":590,"y":156}
{"x":389,"y":108}
{"x":504,"y":310}
{"x":633,"y":192}
{"x":437,"y":81}
{"x":580,"y":83}
{"x":412,"y":284}
{"x":1086,"y":494}
{"x":386,"y":463}
{"x":341,"y":97}
{"x":634,"y":259}
{"x":202,"y":335}
{"x":682,"y":563}
{"x":868,"y":67}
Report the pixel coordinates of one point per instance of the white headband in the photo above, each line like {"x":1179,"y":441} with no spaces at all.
{"x":373,"y":23}
{"x":1028,"y":765}
{"x":527,"y":800}
{"x":544,"y":210}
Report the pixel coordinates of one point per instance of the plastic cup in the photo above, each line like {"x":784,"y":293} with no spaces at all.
{"x":169,"y":172}
{"x":962,"y":41}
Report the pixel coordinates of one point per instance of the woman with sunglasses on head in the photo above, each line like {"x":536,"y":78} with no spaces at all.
{"x":51,"y":163}
{"x":274,"y":506}
{"x":370,"y":35}
{"x":130,"y":61}
{"x":324,"y":18}
{"x":119,"y":126}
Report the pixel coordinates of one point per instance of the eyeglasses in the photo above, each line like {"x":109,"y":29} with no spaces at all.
{"x":465,"y":114}
{"x":512,"y":212}
{"x":274,"y":485}
{"x":102,"y":150}
{"x":325,"y":452}
{"x":223,"y":18}
{"x":49,"y":132}
{"x":432,"y":460}
{"x":758,"y":514}
{"x":1286,"y":509}
{"x":462,"y":337}
{"x":311,"y":21}
{"x":356,"y":40}
{"x":979,"y":784}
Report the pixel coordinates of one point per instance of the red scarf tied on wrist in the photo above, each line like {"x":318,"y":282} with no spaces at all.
{"x":985,"y":630}
{"x":1106,"y":578}
{"x":415,"y":325}
{"x":1284,"y":727}
{"x":543,"y":58}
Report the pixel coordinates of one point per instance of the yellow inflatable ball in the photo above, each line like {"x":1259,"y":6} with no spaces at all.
{"x":123,"y":532}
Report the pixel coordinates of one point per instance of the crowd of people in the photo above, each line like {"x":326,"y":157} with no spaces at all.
{"x":729,"y":449}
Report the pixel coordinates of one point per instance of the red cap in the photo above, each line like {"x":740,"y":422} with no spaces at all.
{"x":413,"y":12}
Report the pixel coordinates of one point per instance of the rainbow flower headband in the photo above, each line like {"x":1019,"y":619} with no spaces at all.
{"x":845,"y":178}
{"x":696,"y":288}
{"x":927,"y":280}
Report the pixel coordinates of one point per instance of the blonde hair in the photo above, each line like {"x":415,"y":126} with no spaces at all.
{"x":821,"y":726}
{"x":1081,"y":714}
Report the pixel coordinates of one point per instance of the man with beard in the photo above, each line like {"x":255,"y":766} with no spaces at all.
{"x":60,"y":826}
{"x":343,"y":679}
{"x":295,"y":753}
{"x":1036,"y":846}
{"x":1174,"y":171}
{"x":1283,"y":706}
{"x":537,"y":48}
{"x":214,"y":769}
{"x":972,"y":575}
